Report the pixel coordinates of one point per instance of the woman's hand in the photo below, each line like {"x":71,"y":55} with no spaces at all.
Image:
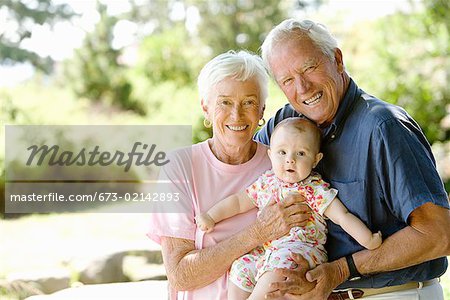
{"x":277,"y":219}
{"x":205,"y":222}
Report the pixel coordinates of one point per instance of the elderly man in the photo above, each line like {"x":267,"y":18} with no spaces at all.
{"x":378,"y":159}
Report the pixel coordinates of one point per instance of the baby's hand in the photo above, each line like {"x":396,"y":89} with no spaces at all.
{"x":205,"y":222}
{"x":375,"y":242}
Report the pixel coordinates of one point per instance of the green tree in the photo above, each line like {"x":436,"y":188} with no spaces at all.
{"x":405,"y":61}
{"x":23,"y":17}
{"x":236,"y":24}
{"x":155,"y":15}
{"x":170,"y":55}
{"x":95,"y":72}
{"x":415,"y":50}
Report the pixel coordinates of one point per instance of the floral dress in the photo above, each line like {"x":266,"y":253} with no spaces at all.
{"x":308,"y":240}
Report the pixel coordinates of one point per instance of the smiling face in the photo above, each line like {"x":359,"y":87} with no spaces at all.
{"x":234,"y":108}
{"x":293,"y":153}
{"x":313,"y":84}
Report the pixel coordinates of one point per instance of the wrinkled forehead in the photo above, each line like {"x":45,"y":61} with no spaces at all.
{"x":298,"y":47}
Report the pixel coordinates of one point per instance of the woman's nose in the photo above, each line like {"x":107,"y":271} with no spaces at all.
{"x":236,"y":111}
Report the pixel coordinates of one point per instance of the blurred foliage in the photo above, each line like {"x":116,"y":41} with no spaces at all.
{"x":223,"y":24}
{"x":403,"y":61}
{"x":22,"y":16}
{"x":415,"y":50}
{"x":95,"y":73}
{"x":170,"y":56}
{"x":236,"y":24}
{"x":152,"y":15}
{"x":406,"y":62}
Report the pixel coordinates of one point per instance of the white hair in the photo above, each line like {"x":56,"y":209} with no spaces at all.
{"x":292,"y":28}
{"x":241,"y":66}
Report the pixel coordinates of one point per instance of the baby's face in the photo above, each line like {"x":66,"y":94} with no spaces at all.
{"x":293,"y":154}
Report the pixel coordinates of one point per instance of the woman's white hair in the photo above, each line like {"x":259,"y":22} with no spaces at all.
{"x":240,"y":65}
{"x":292,"y":28}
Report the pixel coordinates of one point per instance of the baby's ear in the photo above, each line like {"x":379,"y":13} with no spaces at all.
{"x":319,"y":156}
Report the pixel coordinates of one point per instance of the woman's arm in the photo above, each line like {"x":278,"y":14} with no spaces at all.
{"x":339,"y":214}
{"x":189,"y":269}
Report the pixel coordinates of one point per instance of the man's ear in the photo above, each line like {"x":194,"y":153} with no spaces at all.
{"x":339,"y":60}
{"x":319,"y":156}
{"x":268,"y":152}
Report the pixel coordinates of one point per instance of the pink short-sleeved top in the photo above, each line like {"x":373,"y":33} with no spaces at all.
{"x":201,"y":181}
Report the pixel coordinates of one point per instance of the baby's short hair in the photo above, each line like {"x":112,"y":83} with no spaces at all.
{"x":302,"y":125}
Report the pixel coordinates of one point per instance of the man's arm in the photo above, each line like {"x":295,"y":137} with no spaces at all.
{"x":427,"y":237}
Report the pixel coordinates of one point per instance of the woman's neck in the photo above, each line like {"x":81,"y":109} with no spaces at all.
{"x":232,"y":155}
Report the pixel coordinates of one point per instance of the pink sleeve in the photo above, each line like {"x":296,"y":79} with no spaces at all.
{"x":175,"y":222}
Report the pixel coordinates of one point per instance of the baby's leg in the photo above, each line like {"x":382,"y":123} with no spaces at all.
{"x":263,"y":285}
{"x":236,"y":293}
{"x":242,"y":275}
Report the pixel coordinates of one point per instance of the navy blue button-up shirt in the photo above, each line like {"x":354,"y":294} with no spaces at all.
{"x":378,"y":159}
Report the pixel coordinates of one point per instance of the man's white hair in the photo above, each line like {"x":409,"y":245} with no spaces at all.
{"x":240,"y":65}
{"x":295,"y":29}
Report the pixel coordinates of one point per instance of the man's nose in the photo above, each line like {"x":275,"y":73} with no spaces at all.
{"x":302,"y":85}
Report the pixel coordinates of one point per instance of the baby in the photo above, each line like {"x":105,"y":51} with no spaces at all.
{"x":294,"y":152}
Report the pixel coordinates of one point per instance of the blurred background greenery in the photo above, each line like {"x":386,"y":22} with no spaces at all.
{"x":400,"y":55}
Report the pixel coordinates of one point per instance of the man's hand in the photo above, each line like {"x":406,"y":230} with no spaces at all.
{"x":327,"y":276}
{"x":205,"y":222}
{"x":295,"y":282}
{"x":277,"y":219}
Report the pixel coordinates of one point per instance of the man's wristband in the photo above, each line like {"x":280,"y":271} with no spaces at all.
{"x":354,"y":274}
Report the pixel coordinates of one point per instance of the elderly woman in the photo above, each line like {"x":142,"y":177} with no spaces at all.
{"x":233,"y":89}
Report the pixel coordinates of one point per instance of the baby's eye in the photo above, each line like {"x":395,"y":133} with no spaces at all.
{"x":282,"y":152}
{"x":301,"y":153}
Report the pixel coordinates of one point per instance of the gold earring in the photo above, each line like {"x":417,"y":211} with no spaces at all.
{"x":207,"y":123}
{"x":263,"y":122}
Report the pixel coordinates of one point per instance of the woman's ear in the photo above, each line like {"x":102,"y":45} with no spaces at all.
{"x":204,"y":108}
{"x":262,"y":112}
{"x":319,"y":156}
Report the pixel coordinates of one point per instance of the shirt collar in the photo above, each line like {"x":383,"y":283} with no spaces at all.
{"x":344,"y":109}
